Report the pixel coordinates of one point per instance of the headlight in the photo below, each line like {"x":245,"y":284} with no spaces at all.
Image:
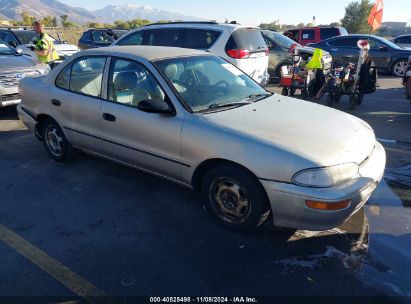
{"x":326,"y":177}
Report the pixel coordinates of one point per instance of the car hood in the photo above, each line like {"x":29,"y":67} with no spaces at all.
{"x":321,"y":135}
{"x":11,"y":62}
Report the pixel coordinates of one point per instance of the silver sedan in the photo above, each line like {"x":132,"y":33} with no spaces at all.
{"x":193,"y":118}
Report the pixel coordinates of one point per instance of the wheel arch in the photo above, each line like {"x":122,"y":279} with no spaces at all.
{"x":41,"y":118}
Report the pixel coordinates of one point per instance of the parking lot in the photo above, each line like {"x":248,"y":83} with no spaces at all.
{"x":94,"y":228}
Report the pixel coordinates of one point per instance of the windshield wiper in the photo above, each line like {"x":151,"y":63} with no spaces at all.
{"x":256,"y":97}
{"x":227,"y":105}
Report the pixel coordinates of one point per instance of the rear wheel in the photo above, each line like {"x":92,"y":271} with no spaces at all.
{"x":235,"y":197}
{"x":56,"y":144}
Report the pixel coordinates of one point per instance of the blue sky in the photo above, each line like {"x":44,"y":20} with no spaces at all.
{"x":255,"y":12}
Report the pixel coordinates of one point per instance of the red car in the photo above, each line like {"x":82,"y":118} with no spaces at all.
{"x":316,"y":34}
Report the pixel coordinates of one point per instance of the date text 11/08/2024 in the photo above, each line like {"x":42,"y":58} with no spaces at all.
{"x":203,"y":300}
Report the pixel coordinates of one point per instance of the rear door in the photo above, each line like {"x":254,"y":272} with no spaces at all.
{"x":344,"y":49}
{"x":76,"y":101}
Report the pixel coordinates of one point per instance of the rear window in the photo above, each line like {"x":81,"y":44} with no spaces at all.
{"x":200,"y":38}
{"x":246,"y":39}
{"x":86,"y":37}
{"x":329,"y":32}
{"x":308,"y":35}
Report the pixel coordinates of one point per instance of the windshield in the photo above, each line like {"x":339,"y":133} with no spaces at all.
{"x":280,"y":39}
{"x":25,"y":37}
{"x":5,"y":50}
{"x":204,"y":82}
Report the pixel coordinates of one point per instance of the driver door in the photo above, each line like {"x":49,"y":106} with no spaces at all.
{"x":150,"y":141}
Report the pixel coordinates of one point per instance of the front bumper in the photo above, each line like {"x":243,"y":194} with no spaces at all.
{"x":288,"y":200}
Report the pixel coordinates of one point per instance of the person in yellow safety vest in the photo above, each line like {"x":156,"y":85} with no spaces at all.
{"x":44,"y":46}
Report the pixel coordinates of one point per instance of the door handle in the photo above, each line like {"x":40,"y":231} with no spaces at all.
{"x":109,"y":117}
{"x":56,"y":102}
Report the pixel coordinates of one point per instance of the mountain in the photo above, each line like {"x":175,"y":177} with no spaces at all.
{"x":12,"y":9}
{"x":134,"y":11}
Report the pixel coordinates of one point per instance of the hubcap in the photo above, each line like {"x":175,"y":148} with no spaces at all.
{"x":400,"y":68}
{"x":53,"y":141}
{"x":230,"y":201}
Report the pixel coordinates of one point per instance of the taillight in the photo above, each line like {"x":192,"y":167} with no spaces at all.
{"x":238,"y":54}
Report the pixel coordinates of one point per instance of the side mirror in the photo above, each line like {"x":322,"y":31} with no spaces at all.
{"x":154,"y":106}
{"x":383,"y":48}
{"x":13,"y":44}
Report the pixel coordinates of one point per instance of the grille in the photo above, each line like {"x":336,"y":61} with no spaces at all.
{"x":10,"y":97}
{"x":12,"y":79}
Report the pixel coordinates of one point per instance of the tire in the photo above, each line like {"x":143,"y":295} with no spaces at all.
{"x":284,"y":92}
{"x":330,"y":100}
{"x":304,"y":94}
{"x":337,"y":98}
{"x":234,"y":197}
{"x":353,"y":102}
{"x":399,"y":67}
{"x":56,"y":144}
{"x":360,"y":98}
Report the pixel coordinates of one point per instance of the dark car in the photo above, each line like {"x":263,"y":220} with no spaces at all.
{"x":386,"y":55}
{"x":316,"y":34}
{"x":95,"y":38}
{"x":403,"y":41}
{"x":279,"y":48}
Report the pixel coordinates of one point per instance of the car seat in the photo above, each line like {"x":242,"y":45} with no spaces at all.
{"x":126,"y":90}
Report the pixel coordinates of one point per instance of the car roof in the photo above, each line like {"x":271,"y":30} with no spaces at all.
{"x":198,"y":23}
{"x":148,"y":52}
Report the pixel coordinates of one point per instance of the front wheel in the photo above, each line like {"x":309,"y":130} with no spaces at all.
{"x":56,"y":144}
{"x":399,"y":67}
{"x":235,"y":197}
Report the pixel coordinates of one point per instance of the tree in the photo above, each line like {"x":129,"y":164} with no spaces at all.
{"x":356,"y":16}
{"x":335,"y":24}
{"x":55,"y":22}
{"x":48,"y":21}
{"x":65,"y":22}
{"x":95,"y":25}
{"x":27,"y":19}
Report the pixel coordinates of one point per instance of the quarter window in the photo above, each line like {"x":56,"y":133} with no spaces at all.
{"x":87,"y":37}
{"x":83,"y":76}
{"x":130,"y":82}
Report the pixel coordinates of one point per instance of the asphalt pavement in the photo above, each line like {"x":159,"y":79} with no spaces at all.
{"x":92,"y":230}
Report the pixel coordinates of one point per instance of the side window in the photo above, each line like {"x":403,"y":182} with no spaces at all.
{"x":130,"y":82}
{"x":132,"y":39}
{"x":348,"y":42}
{"x":63,"y":79}
{"x":308,"y":35}
{"x":270,"y":44}
{"x":328,"y":32}
{"x":374,"y":43}
{"x":87,"y":37}
{"x":86,"y":76}
{"x":200,"y":38}
{"x":165,"y":37}
{"x":100,"y":36}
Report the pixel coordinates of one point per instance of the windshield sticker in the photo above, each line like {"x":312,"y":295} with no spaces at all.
{"x":232,"y":69}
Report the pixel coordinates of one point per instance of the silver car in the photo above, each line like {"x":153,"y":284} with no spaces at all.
{"x":193,"y":118}
{"x":13,"y":67}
